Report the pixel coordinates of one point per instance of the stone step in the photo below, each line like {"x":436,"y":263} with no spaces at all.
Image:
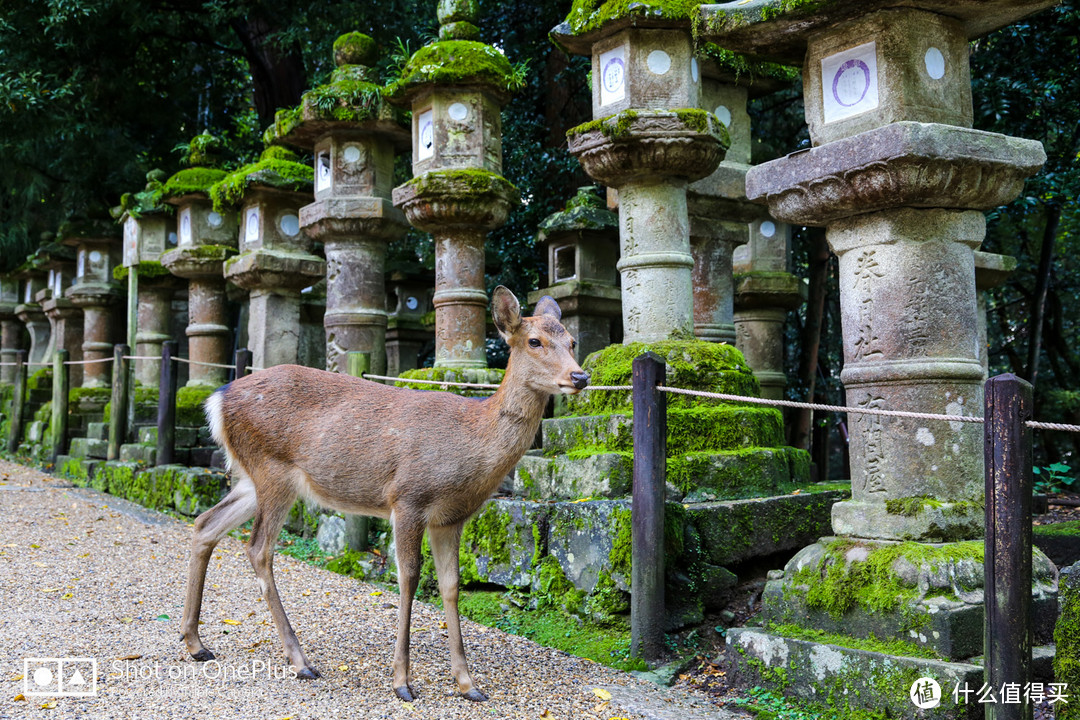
{"x":699,"y":476}
{"x":148,"y":435}
{"x":97,"y":431}
{"x":89,"y":448}
{"x":137,"y":453}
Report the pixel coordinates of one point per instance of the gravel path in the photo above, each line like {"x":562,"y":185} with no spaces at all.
{"x":87,"y":575}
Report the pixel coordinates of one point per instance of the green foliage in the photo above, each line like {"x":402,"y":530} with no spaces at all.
{"x":459,"y":62}
{"x":1053,"y":478}
{"x":586,"y":15}
{"x":148,"y":270}
{"x":277,"y":168}
{"x":189,"y":405}
{"x":196,"y":180}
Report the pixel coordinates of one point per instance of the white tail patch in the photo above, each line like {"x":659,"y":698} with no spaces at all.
{"x":212,"y":407}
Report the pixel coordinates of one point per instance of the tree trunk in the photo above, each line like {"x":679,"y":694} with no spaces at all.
{"x":810,"y":340}
{"x":1042,"y":286}
{"x":277,"y":72}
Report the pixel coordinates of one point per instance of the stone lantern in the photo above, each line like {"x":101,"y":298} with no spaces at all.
{"x":65,"y":318}
{"x":582,"y":246}
{"x":149,"y":231}
{"x":96,"y":292}
{"x":31,"y":280}
{"x":991,"y":271}
{"x":10,"y":327}
{"x":722,"y":218}
{"x":205,"y":239}
{"x":353,"y":136}
{"x":899,"y":180}
{"x":275,"y":262}
{"x":648,"y":139}
{"x":456,"y":88}
{"x":408,"y":328}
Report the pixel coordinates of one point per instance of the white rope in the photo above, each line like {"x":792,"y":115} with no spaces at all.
{"x":1052,"y":426}
{"x":444,"y":383}
{"x":88,"y":362}
{"x":142,"y":357}
{"x":830,"y":408}
{"x":207,"y":364}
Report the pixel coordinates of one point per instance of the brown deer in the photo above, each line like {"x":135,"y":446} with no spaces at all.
{"x":422,"y":459}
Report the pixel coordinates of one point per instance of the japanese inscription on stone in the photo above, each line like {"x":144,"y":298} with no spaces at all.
{"x":866,"y":345}
{"x":849,"y":82}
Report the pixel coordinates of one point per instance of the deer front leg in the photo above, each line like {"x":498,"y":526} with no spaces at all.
{"x":408,"y":536}
{"x":445,"y":542}
{"x":260,"y":551}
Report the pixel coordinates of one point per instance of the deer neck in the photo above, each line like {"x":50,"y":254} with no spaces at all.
{"x":514,"y":412}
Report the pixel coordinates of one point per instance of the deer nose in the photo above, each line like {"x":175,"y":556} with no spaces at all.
{"x":580,"y":379}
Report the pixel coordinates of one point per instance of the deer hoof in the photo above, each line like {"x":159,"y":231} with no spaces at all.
{"x":475,"y":695}
{"x":203,"y":655}
{"x":308,"y":673}
{"x":405,"y":693}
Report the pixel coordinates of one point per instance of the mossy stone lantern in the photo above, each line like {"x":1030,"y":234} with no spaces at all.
{"x":97,"y":248}
{"x":582,"y":246}
{"x":65,"y":318}
{"x":648,"y":139}
{"x":10,"y":327}
{"x":31,"y":280}
{"x":456,"y":88}
{"x":900,"y":181}
{"x":149,"y":231}
{"x":409,"y":325}
{"x":275,"y":262}
{"x":354,"y":135}
{"x":205,"y":239}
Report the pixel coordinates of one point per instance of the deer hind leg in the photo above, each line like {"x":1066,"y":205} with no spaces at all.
{"x":444,"y":548}
{"x":275,"y":499}
{"x":235,"y":509}
{"x":408,"y":536}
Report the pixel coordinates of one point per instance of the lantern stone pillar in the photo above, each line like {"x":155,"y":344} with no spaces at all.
{"x":582,"y":246}
{"x":649,"y":140}
{"x":205,"y":239}
{"x":456,"y":88}
{"x":10,"y":327}
{"x":149,"y":230}
{"x":96,"y":293}
{"x":899,"y":180}
{"x":65,"y":319}
{"x":275,"y":262}
{"x":354,"y":139}
{"x":991,"y":271}
{"x":29,"y":312}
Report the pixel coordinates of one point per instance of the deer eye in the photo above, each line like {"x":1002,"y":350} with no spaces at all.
{"x":573,"y":344}
{"x":533,"y":342}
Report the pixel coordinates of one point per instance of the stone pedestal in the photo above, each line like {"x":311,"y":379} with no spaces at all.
{"x":30,"y":314}
{"x":96,"y":294}
{"x":66,"y":321}
{"x":406,"y":331}
{"x":154,"y":315}
{"x":10,"y":328}
{"x":648,"y":140}
{"x":581,"y":243}
{"x":457,"y":193}
{"x":354,"y":146}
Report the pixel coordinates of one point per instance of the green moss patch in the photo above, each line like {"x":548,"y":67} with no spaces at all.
{"x":189,"y":405}
{"x":619,"y":125}
{"x":148,"y":270}
{"x":587,"y":15}
{"x":277,"y":168}
{"x":467,"y":182}
{"x":691,"y":364}
{"x":195,"y":180}
{"x":1067,"y":639}
{"x":484,"y":376}
{"x":742,"y":66}
{"x":458,"y":62}
{"x":893,"y":646}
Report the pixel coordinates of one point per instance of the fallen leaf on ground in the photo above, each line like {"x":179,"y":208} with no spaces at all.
{"x":601,"y":693}
{"x":20,"y":698}
{"x":49,"y":705}
{"x":377,"y":593}
{"x":129,"y":657}
{"x":227,"y":621}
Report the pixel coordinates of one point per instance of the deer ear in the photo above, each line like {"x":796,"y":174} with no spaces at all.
{"x":506,"y":311}
{"x":548,"y":306}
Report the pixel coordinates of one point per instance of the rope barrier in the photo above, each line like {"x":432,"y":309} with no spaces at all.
{"x":1052,"y":426}
{"x":444,"y":383}
{"x":206,"y":364}
{"x":88,"y":362}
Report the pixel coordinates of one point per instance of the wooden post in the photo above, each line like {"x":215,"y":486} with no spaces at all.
{"x":17,"y":403}
{"x":650,"y":468}
{"x":166,"y":409}
{"x":1007,"y":563}
{"x":61,"y":387}
{"x":118,"y":403}
{"x":243,"y":362}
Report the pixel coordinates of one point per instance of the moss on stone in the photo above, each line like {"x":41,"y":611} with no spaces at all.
{"x":736,"y":17}
{"x":486,"y":533}
{"x":483,"y":376}
{"x":277,"y":168}
{"x":620,"y":124}
{"x":355,"y":48}
{"x":552,"y":589}
{"x":92,"y":394}
{"x":39,"y":379}
{"x":195,"y":180}
{"x":742,"y":65}
{"x":189,"y":405}
{"x":838,"y":585}
{"x":1067,"y":640}
{"x":692,"y":364}
{"x":209,"y":252}
{"x":148,"y":270}
{"x":458,"y":62}
{"x":464,"y":182}
{"x":587,"y":15}
{"x":895,"y":646}
{"x":1067,"y":528}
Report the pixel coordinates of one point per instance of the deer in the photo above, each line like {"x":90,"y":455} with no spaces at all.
{"x":424,"y":460}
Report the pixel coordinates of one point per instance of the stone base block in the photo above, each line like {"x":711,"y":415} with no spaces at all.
{"x":919,"y":519}
{"x":1060,"y":542}
{"x":928,"y":594}
{"x":145,"y":455}
{"x":148,"y":436}
{"x":88,"y":448}
{"x":184,"y":437}
{"x":97,"y":431}
{"x":840,"y":677}
{"x":606,"y":475}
